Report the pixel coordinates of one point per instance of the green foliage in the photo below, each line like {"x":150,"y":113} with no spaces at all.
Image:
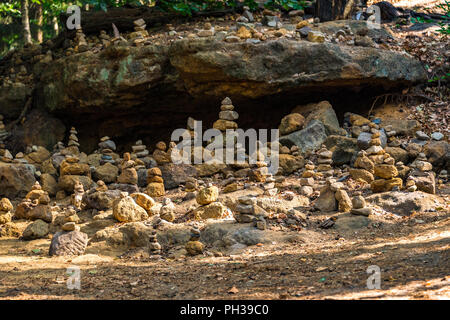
{"x":445,"y":28}
{"x":285,"y":4}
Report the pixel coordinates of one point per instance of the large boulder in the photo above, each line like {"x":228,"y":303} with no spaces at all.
{"x":122,"y":80}
{"x":15,"y":180}
{"x":324,"y":112}
{"x":344,"y":148}
{"x":309,"y":139}
{"x":176,"y":174}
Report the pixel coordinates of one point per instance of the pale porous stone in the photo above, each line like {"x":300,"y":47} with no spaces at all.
{"x":207,"y":195}
{"x":127,"y":210}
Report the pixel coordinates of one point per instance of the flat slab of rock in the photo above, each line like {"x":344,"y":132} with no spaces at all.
{"x":404,"y":203}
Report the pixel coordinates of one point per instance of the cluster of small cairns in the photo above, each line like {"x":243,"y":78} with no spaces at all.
{"x":155,"y":182}
{"x":248,"y":211}
{"x":35,"y":205}
{"x":154,"y":246}
{"x":107,"y":148}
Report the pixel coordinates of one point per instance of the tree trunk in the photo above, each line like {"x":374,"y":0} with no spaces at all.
{"x":328,"y":10}
{"x":40,"y":21}
{"x":26,"y":22}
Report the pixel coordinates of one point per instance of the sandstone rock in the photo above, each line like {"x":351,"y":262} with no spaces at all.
{"x":344,"y":202}
{"x":15,"y":180}
{"x":42,"y":212}
{"x":194,"y":248}
{"x":67,"y":182}
{"x":68,"y":243}
{"x":128,"y":176}
{"x":175,"y":175}
{"x":214,"y":210}
{"x":383,"y":185}
{"x":5,"y":205}
{"x":143,"y":200}
{"x":323,"y":112}
{"x":155,"y":189}
{"x":49,"y":184}
{"x":209,"y":169}
{"x":101,"y":200}
{"x":362,"y":211}
{"x":425,"y":182}
{"x":36,"y":230}
{"x":386,"y":171}
{"x":290,"y":123}
{"x":207,"y":195}
{"x":289,"y":164}
{"x":107,"y":173}
{"x":326,"y":201}
{"x":361,"y":174}
{"x":399,"y":154}
{"x":126,"y":210}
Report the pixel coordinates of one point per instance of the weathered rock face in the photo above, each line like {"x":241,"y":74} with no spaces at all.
{"x":115,"y":87}
{"x":15,"y":180}
{"x":68,"y":243}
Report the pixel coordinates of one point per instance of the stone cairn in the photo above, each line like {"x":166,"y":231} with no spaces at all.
{"x":325,"y":161}
{"x":160,"y":155}
{"x":77,"y":196}
{"x":333,"y":197}
{"x":422,"y":175}
{"x":155,"y":183}
{"x":248,"y":211}
{"x":307,"y":179}
{"x":80,"y":38}
{"x":70,"y":220}
{"x":72,"y":170}
{"x":209,"y":208}
{"x":20,"y":158}
{"x":106,"y":148}
{"x":35,"y":205}
{"x":139,"y":152}
{"x":5,"y":211}
{"x":227,"y":117}
{"x":194,"y":246}
{"x":139,"y":36}
{"x":73,"y":141}
{"x":385,"y":170}
{"x":5,"y":155}
{"x":128,"y":179}
{"x":167,"y":211}
{"x":154,"y":247}
{"x":359,"y":205}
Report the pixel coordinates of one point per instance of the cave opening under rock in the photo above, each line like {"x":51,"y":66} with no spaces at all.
{"x":156,"y":118}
